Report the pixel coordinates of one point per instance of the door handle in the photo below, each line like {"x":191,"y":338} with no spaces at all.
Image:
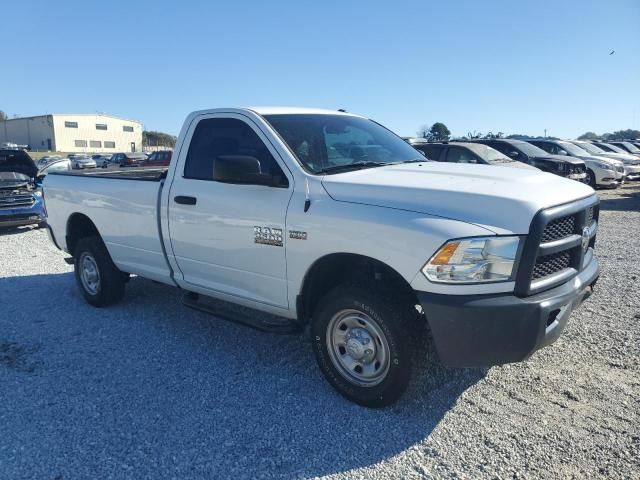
{"x":185,"y":200}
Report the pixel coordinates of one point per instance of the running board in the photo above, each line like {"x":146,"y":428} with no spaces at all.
{"x":262,"y":321}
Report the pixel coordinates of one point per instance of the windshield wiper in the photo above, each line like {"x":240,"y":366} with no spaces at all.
{"x":350,"y":166}
{"x":414,"y":160}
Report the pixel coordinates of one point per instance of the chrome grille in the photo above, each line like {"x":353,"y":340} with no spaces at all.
{"x":550,"y":264}
{"x":559,"y":228}
{"x":17,"y":200}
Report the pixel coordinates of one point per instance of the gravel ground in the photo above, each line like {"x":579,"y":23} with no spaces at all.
{"x":150,"y":389}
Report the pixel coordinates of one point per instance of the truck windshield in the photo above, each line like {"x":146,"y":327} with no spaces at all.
{"x":326,"y":143}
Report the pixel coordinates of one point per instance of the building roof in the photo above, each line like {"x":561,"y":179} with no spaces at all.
{"x":96,"y":114}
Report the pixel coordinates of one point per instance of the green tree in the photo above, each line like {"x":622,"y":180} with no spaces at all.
{"x":3,"y":116}
{"x":628,"y":134}
{"x":589,"y":136}
{"x":158,"y":139}
{"x":438,"y":132}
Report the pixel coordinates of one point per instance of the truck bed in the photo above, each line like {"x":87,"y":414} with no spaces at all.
{"x":124,"y":212}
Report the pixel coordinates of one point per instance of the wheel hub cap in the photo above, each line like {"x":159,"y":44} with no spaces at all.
{"x":358,"y":347}
{"x":89,"y":274}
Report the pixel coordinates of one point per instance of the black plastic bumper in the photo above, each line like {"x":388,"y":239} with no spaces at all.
{"x":485,"y":330}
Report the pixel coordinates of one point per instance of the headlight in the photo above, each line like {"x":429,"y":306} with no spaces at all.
{"x":605,"y":166}
{"x":38,"y":193}
{"x":474,"y":260}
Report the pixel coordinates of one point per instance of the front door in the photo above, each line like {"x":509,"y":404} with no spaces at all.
{"x":229,"y":238}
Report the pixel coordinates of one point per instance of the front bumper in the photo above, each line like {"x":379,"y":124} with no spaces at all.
{"x":632,"y":172}
{"x":14,"y":217}
{"x":485,"y":330}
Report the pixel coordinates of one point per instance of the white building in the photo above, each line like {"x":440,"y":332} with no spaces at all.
{"x":77,"y":132}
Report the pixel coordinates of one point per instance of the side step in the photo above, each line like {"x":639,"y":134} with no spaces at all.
{"x":246,"y":316}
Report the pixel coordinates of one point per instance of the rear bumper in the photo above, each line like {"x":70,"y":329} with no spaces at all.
{"x":485,"y":330}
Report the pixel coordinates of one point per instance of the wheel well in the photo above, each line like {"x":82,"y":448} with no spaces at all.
{"x":79,"y":226}
{"x":341,"y":268}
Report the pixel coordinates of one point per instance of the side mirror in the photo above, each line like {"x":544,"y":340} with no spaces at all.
{"x":241,"y":169}
{"x":513,"y":154}
{"x":562,"y":152}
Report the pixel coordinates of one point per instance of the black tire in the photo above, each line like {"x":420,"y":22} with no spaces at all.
{"x":592,"y":179}
{"x":395,"y":320}
{"x":110,"y":281}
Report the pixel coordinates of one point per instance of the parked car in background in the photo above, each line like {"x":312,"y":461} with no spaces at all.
{"x":159,"y":159}
{"x":463,"y":152}
{"x":129,"y":159}
{"x":20,"y":197}
{"x":531,"y":155}
{"x":328,"y":220}
{"x":608,"y":147}
{"x":102,"y":159}
{"x":81,"y":161}
{"x":601,"y":171}
{"x":627,"y":146}
{"x":630,"y":164}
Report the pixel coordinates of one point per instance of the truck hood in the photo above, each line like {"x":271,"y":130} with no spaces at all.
{"x":503,"y":200}
{"x":17,"y":161}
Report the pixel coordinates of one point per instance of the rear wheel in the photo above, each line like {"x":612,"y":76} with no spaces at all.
{"x":99,"y":280}
{"x":362,"y":342}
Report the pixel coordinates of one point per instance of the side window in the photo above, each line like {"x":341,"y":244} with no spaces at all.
{"x":460,"y":155}
{"x":547,"y":147}
{"x":504,"y":148}
{"x":432,"y":152}
{"x":216,"y":137}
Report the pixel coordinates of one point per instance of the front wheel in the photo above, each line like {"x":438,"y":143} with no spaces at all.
{"x":591,"y":179}
{"x":362,"y":343}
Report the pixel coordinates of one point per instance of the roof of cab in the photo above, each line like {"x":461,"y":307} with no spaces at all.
{"x":295,"y":111}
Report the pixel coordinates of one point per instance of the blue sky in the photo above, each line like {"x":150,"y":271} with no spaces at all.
{"x":510,"y":66}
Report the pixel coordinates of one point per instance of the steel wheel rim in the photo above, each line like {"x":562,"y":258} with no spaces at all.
{"x":89,"y":273}
{"x":358,"y":348}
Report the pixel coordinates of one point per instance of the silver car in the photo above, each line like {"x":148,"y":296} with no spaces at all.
{"x":82,"y":161}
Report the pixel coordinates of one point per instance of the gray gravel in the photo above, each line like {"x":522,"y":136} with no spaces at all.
{"x":149,"y":389}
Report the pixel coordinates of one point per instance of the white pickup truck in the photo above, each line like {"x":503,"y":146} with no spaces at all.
{"x":328,"y":220}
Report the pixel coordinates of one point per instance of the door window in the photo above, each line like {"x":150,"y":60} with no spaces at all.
{"x":218,"y":137}
{"x":432,"y":152}
{"x":460,"y":155}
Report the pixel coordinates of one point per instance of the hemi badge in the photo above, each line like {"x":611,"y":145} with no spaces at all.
{"x":297,"y":235}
